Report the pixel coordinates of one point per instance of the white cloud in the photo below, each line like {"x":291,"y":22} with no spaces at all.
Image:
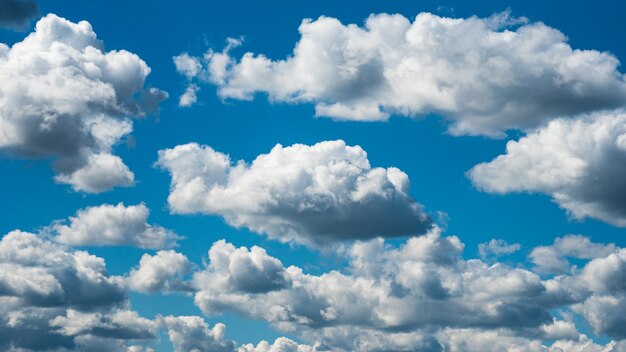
{"x":578,"y":162}
{"x":161,"y":272}
{"x":383,"y":290}
{"x":191,"y":333}
{"x":63,"y":96}
{"x":113,"y":225}
{"x":100,"y":173}
{"x":53,"y":298}
{"x":308,"y":194}
{"x":483,"y":74}
{"x":423,"y":295}
{"x":189,"y":97}
{"x":281,"y":344}
{"x":553,"y":259}
{"x":188,"y":66}
{"x":496,"y":248}
{"x":41,"y":273}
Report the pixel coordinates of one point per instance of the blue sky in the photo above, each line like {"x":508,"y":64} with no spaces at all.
{"x":422,"y":147}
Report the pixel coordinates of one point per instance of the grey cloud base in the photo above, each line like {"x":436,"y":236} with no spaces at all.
{"x":16,"y":14}
{"x":307,"y":194}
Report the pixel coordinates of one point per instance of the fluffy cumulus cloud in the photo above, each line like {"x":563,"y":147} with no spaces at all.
{"x":64,"y":97}
{"x":485,"y":75}
{"x":578,"y":162}
{"x":53,"y":298}
{"x":16,"y":14}
{"x":113,"y":225}
{"x":192,"y":333}
{"x":309,"y":194}
{"x":422,"y":295}
{"x":163,"y":271}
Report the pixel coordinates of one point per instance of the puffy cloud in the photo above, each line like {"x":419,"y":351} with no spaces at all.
{"x":191,"y":334}
{"x":578,"y":162}
{"x":40,"y":273}
{"x":553,"y":259}
{"x":485,"y":75}
{"x":161,"y":272}
{"x":281,"y":344}
{"x":606,"y":314}
{"x":308,"y":194}
{"x":496,"y":248}
{"x":383,"y":290}
{"x":63,"y":96}
{"x":17,"y":14}
{"x":422,"y":295}
{"x":188,"y":66}
{"x":189,"y":97}
{"x":120,"y":323}
{"x":113,"y":225}
{"x":52,"y":298}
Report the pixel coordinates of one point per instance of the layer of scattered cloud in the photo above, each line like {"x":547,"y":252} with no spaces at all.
{"x":307,"y":194}
{"x":485,"y":75}
{"x":17,"y":14}
{"x":578,"y":162}
{"x":64,"y":97}
{"x":423,"y":295}
{"x":113,"y":225}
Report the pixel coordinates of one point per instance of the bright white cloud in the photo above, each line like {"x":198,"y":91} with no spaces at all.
{"x":113,"y":225}
{"x":192,"y":333}
{"x":308,"y":194}
{"x":161,"y":272}
{"x":63,"y":96}
{"x":577,"y":162}
{"x":485,"y":75}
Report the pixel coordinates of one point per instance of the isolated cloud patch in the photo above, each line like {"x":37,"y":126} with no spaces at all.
{"x":64,"y":97}
{"x":486,"y":75}
{"x":113,"y":225}
{"x":308,"y":194}
{"x":16,"y":14}
{"x":580,"y":163}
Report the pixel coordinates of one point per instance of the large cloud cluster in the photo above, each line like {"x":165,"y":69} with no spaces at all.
{"x":486,"y":75}
{"x":423,"y":295}
{"x":63,"y":96}
{"x":309,"y":194}
{"x":580,"y":163}
{"x":54,"y":298}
